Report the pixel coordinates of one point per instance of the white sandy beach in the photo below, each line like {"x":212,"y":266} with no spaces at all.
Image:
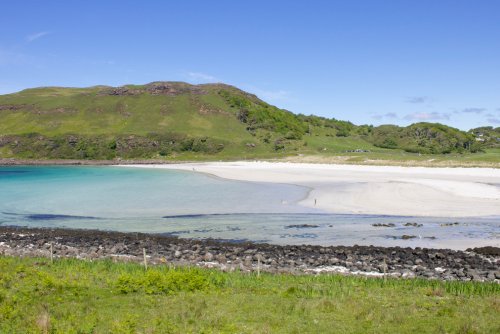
{"x":383,"y":190}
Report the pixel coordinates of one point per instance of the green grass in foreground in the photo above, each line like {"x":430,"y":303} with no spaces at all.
{"x":73,"y":296}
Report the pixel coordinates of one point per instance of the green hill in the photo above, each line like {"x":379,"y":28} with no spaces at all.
{"x":427,"y":138}
{"x":488,"y":136}
{"x":175,"y":120}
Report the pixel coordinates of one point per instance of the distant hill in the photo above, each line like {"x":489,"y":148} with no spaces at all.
{"x":176,"y":119}
{"x":427,"y":138}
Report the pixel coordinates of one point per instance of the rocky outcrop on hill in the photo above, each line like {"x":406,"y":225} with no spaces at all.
{"x":12,"y":107}
{"x":154,"y":88}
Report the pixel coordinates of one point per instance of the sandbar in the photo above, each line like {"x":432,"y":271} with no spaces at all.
{"x":379,"y":190}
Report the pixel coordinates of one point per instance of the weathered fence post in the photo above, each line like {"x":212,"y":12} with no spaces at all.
{"x":385,"y":271}
{"x":51,"y":253}
{"x":258,"y":265}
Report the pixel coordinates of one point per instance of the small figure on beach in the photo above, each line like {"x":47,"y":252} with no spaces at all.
{"x":315,"y":201}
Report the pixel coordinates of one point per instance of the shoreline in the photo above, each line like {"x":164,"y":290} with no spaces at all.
{"x":479,"y":264}
{"x":373,"y":190}
{"x":314,"y":160}
{"x":77,"y":162}
{"x":377,"y":190}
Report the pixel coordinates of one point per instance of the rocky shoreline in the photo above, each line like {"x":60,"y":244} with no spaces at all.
{"x":479,"y":264}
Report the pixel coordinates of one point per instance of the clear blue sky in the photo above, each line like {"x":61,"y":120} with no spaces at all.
{"x":371,"y":62}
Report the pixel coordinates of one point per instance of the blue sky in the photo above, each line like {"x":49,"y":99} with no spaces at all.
{"x":370,"y":62}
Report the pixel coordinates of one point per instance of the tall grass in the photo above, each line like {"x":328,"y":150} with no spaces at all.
{"x":76,"y":296}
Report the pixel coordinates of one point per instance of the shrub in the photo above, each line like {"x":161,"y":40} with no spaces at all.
{"x":157,"y":282}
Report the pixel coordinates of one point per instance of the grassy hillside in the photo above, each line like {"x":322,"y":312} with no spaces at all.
{"x":175,"y":120}
{"x":427,"y":138}
{"x":76,"y":296}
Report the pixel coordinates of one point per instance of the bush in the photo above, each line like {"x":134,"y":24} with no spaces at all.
{"x":107,"y":147}
{"x":432,"y":138}
{"x":260,"y":115}
{"x":156,"y":282}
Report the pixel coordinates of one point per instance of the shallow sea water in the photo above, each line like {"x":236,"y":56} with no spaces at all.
{"x":189,"y":204}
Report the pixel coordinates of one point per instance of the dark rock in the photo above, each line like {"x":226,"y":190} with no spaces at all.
{"x":248,"y":261}
{"x":413,"y":224}
{"x":404,"y":262}
{"x":450,"y":224}
{"x":474,"y":275}
{"x":488,"y":250}
{"x":490,"y":276}
{"x":384,"y":225}
{"x":209,"y":257}
{"x":428,"y":274}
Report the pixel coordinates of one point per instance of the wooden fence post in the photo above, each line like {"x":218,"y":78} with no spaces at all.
{"x":51,"y":253}
{"x":145,"y":260}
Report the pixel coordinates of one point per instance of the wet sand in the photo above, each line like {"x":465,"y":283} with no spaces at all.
{"x":379,"y":190}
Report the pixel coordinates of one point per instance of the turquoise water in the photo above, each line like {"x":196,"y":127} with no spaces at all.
{"x":189,"y":204}
{"x":117,"y":192}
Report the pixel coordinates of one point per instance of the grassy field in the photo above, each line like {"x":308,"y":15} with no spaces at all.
{"x":74,"y":296}
{"x":489,"y":158}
